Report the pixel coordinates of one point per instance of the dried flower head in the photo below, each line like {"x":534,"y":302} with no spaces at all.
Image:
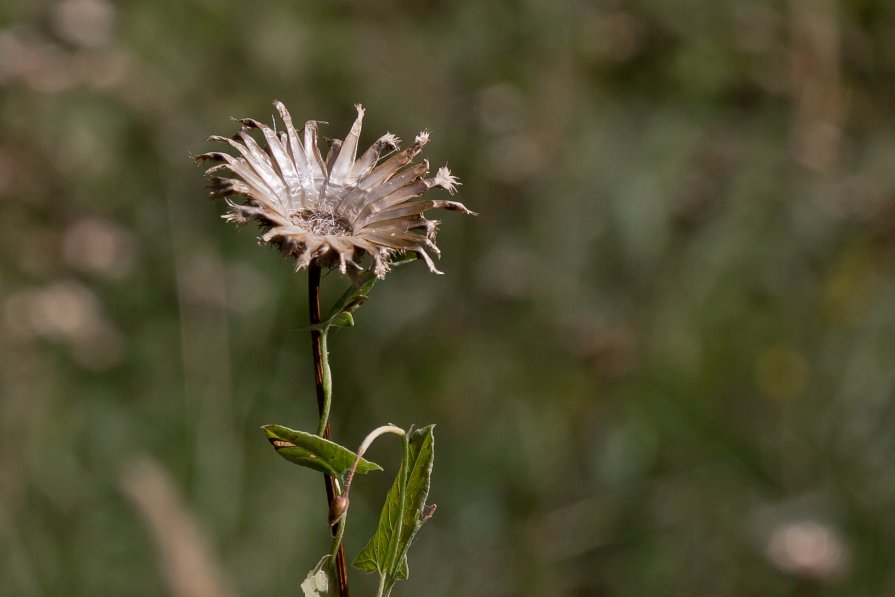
{"x":331,"y":211}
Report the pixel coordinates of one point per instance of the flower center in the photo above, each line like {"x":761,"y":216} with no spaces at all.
{"x":322,"y":223}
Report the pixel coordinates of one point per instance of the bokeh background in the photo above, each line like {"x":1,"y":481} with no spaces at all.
{"x":661,"y":360}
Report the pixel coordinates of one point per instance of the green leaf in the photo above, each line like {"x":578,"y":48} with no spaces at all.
{"x":312,"y":451}
{"x":343,"y":320}
{"x":352,"y":298}
{"x":386,"y":553}
{"x":403,"y":259}
{"x":356,"y":295}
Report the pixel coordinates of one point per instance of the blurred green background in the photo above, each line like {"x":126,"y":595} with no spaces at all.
{"x":661,"y":360}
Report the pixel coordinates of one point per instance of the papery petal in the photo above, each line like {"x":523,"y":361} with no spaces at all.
{"x":362,"y":203}
{"x":345,"y":161}
{"x":312,"y":152}
{"x":274,"y":198}
{"x":383,"y":172}
{"x":365,"y":163}
{"x":282,"y":163}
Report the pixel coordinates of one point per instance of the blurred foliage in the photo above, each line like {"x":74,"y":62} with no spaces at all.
{"x":661,"y":360}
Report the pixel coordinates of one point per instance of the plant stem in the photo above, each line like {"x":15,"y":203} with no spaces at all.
{"x":327,"y":383}
{"x":364,"y":446}
{"x":340,"y":532}
{"x":323,"y":383}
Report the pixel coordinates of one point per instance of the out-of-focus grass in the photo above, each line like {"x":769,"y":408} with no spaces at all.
{"x":660,"y":361}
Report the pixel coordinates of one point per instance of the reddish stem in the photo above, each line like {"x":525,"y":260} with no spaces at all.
{"x":341,"y":569}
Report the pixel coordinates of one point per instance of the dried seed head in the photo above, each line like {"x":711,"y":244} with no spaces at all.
{"x":333,"y":211}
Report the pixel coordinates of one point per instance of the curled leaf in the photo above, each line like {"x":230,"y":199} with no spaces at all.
{"x":314,"y":452}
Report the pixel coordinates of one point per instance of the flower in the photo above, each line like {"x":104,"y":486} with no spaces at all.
{"x":332,"y":211}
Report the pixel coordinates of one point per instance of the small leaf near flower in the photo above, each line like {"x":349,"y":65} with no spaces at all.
{"x":314,"y":452}
{"x":343,"y":320}
{"x":352,"y":298}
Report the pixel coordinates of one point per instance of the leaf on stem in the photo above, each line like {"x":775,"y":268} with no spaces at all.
{"x":343,"y":320}
{"x":352,"y":298}
{"x":357,"y":295}
{"x":316,"y":583}
{"x":402,"y":514}
{"x":314,"y":452}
